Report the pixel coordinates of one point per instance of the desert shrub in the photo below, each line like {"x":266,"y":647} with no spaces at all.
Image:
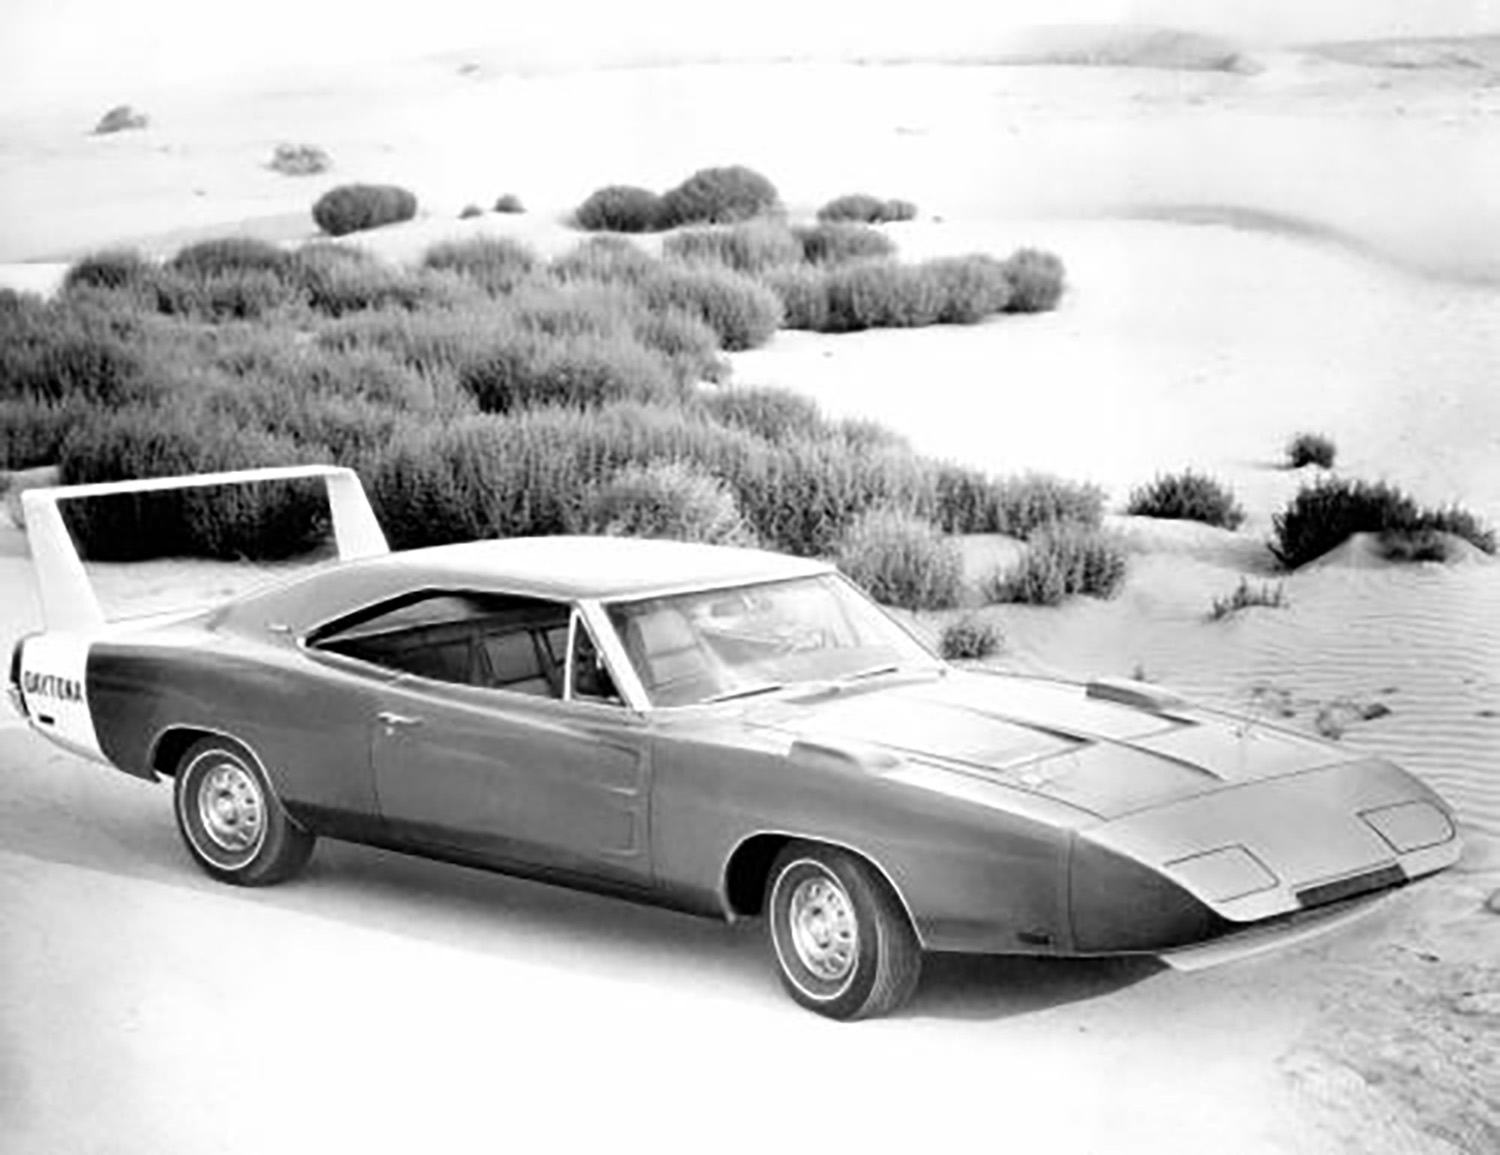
{"x":747,"y":247}
{"x":585,"y":369}
{"x":881,"y":295}
{"x":611,"y":260}
{"x":1245,"y":596}
{"x":718,"y":196}
{"x":113,"y":269}
{"x":533,"y":470}
{"x":743,"y":312}
{"x":287,"y":372}
{"x":1310,"y":449}
{"x":971,"y":288}
{"x":32,"y":431}
{"x":233,"y":295}
{"x":530,"y":472}
{"x":432,"y":340}
{"x":257,"y":522}
{"x":968,"y":501}
{"x":482,"y":477}
{"x":969,"y":638}
{"x":352,"y":208}
{"x":468,"y":212}
{"x":49,"y":353}
{"x":1323,"y":516}
{"x":346,"y":429}
{"x":499,"y":264}
{"x":299,"y":160}
{"x":861,"y":433}
{"x":619,"y":208}
{"x":1036,"y":281}
{"x":1187,"y":496}
{"x":866,"y":209}
{"x":226,"y":256}
{"x":801,"y":496}
{"x":509,"y":203}
{"x":777,"y":415}
{"x":1425,"y":544}
{"x":869,"y":294}
{"x":1061,"y":561}
{"x":687,"y":342}
{"x":667,"y":499}
{"x":803,"y":293}
{"x":901,"y":560}
{"x":337,"y":281}
{"x":833,"y":243}
{"x":120,"y":118}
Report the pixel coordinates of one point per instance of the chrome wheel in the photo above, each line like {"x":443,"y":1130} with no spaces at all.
{"x":824,"y":928}
{"x":231,"y":809}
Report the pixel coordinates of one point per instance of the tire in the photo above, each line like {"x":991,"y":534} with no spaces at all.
{"x":842,"y":940}
{"x":231,"y":820}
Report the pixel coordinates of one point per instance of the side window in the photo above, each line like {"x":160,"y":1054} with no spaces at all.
{"x":490,"y":640}
{"x":591,"y":678}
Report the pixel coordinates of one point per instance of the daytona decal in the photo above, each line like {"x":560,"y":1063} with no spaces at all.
{"x":51,"y":686}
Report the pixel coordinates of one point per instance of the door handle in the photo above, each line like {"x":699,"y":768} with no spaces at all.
{"x":397,"y":721}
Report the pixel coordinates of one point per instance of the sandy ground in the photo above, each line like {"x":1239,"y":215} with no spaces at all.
{"x":1312,"y":244}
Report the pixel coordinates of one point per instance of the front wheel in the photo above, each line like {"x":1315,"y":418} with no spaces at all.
{"x":231,"y":820}
{"x":843,"y":943}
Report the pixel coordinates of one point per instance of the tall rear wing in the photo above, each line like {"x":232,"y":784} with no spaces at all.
{"x":68,"y":600}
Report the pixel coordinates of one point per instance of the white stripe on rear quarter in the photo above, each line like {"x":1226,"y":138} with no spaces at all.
{"x":54,"y":687}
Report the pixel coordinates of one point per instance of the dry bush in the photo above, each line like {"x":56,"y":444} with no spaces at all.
{"x":838,"y":242}
{"x":867,"y":209}
{"x":299,"y":160}
{"x":1037,"y":280}
{"x":352,"y":208}
{"x":619,"y":208}
{"x":497,"y":264}
{"x":1061,"y":561}
{"x":718,"y":196}
{"x":667,"y":499}
{"x":747,"y":247}
{"x":1325,"y":515}
{"x":744,"y":313}
{"x":1310,"y":449}
{"x":1187,"y":496}
{"x":969,"y":638}
{"x":901,"y":560}
{"x":120,"y":118}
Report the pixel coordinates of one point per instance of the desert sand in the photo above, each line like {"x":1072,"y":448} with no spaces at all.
{"x":1309,"y":240}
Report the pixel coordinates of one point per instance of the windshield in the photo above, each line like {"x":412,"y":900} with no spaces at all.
{"x":705,"y":647}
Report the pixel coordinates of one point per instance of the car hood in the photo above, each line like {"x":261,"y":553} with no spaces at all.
{"x":1054,"y":739}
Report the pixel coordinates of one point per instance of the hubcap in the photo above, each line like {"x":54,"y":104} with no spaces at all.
{"x":231,"y":808}
{"x":825,"y":933}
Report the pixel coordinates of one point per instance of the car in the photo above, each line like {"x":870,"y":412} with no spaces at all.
{"x":729,"y":732}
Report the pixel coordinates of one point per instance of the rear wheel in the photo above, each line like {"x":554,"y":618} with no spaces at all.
{"x":843,"y":943}
{"x":231,"y":820}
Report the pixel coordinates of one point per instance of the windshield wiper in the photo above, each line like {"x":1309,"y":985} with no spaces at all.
{"x":745,"y":692}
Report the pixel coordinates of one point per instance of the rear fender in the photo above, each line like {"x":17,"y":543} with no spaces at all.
{"x":50,"y":673}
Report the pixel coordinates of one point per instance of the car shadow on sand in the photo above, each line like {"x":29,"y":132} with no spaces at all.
{"x":957,"y":986}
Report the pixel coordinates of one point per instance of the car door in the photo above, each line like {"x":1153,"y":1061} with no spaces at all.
{"x":556,"y":785}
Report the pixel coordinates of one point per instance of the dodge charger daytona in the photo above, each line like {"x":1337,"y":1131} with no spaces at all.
{"x":728,"y":732}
